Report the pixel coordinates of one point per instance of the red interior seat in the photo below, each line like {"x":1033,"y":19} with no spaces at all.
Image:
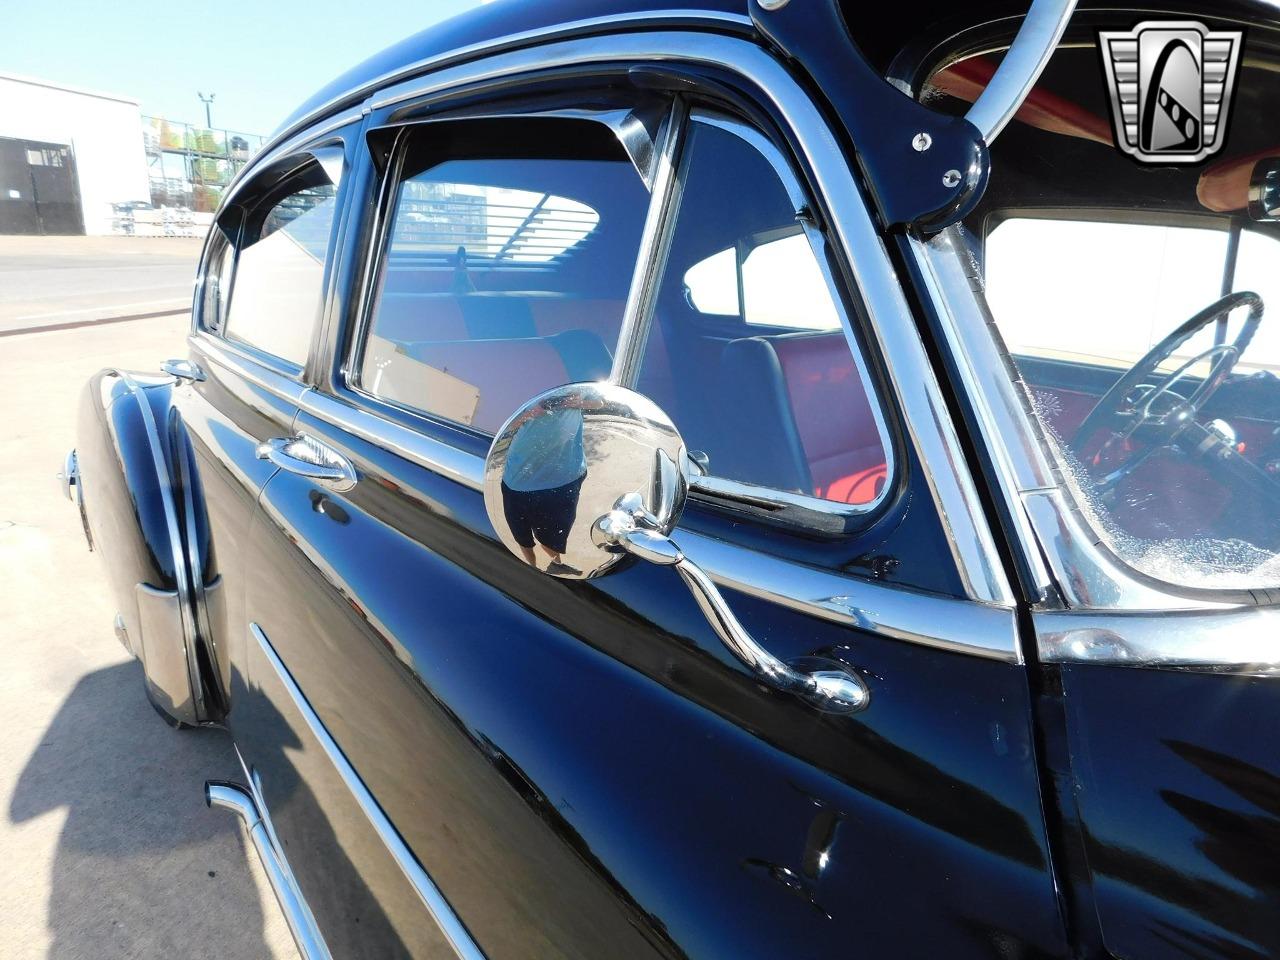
{"x":803,"y":418}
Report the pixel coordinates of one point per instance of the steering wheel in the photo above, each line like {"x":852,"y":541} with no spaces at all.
{"x":1157,"y":413}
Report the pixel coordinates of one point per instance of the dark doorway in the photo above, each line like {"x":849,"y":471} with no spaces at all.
{"x":39,"y":191}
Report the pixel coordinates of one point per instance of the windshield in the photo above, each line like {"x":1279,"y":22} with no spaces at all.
{"x":1140,"y":305}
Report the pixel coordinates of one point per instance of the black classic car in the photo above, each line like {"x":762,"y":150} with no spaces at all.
{"x":629,"y":495}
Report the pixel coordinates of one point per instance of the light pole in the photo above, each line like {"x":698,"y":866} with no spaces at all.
{"x":208,"y":118}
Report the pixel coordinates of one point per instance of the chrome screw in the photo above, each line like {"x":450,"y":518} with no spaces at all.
{"x":951,"y":178}
{"x":922,"y":142}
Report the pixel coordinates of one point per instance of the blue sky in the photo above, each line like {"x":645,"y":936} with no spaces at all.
{"x":261,"y":58}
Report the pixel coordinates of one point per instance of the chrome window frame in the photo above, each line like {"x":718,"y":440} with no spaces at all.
{"x":982,"y":623}
{"x":311,"y":146}
{"x":792,"y":508}
{"x":805,"y":513}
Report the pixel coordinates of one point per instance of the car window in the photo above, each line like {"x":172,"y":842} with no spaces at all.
{"x":777,"y":283}
{"x":1152,"y":275}
{"x":1139,"y":306}
{"x":506,"y":268}
{"x":279,"y":269}
{"x":747,"y":352}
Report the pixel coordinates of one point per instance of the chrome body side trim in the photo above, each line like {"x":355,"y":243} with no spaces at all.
{"x":944,"y":623}
{"x":927,"y":421}
{"x":451,"y":926}
{"x":655,"y":241}
{"x":1240,"y":640}
{"x":243,"y":365}
{"x":229,"y":796}
{"x":1021,"y":67}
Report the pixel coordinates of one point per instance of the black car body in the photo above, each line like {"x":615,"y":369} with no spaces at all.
{"x":1058,"y":749}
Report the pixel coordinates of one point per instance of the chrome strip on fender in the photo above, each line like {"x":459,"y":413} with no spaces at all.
{"x":451,"y":926}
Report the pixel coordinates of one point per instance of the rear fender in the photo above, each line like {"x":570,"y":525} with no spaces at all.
{"x":130,"y":448}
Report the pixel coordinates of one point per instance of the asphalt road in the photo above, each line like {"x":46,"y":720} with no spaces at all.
{"x":55,"y":281}
{"x":106,"y":847}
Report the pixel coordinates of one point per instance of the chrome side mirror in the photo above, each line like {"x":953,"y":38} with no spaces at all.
{"x":588,"y":475}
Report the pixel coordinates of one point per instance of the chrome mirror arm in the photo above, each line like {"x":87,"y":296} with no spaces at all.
{"x":828,"y":685}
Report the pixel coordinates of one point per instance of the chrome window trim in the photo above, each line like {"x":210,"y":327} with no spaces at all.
{"x":799,"y":508}
{"x":448,"y":922}
{"x":655,"y":242}
{"x":682,"y":18}
{"x":914,"y":386}
{"x":943,"y":623}
{"x":280,"y":150}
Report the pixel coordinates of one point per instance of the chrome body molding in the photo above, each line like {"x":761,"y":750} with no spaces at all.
{"x":1240,"y":640}
{"x":247,"y":806}
{"x":246,"y":366}
{"x":960,"y":626}
{"x":892,"y":330}
{"x":450,"y":925}
{"x":1029,"y":54}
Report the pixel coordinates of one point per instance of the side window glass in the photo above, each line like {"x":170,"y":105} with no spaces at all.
{"x":746,"y":351}
{"x":506,"y":267}
{"x":279,"y":270}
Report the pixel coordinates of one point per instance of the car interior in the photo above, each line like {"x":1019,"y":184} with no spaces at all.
{"x":507,"y":275}
{"x":1095,"y":268}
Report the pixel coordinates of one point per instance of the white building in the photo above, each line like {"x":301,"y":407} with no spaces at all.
{"x":66,"y":156}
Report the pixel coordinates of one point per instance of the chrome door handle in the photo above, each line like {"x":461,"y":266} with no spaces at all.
{"x":308,"y":457}
{"x":183,"y":369}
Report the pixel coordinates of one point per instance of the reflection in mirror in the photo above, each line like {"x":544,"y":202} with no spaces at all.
{"x":589,"y":474}
{"x":567,"y":459}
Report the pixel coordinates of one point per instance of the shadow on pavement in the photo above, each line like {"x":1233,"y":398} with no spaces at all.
{"x":142,"y":868}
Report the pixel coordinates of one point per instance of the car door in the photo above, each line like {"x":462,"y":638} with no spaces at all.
{"x":458,"y":750}
{"x":262,"y":285}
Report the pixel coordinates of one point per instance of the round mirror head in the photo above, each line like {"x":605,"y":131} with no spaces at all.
{"x":568,"y":458}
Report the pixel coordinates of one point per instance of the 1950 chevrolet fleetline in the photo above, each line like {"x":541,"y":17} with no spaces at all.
{"x":741,"y":478}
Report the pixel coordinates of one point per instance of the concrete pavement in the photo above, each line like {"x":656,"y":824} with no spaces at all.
{"x":106,"y":848}
{"x":54,"y":281}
